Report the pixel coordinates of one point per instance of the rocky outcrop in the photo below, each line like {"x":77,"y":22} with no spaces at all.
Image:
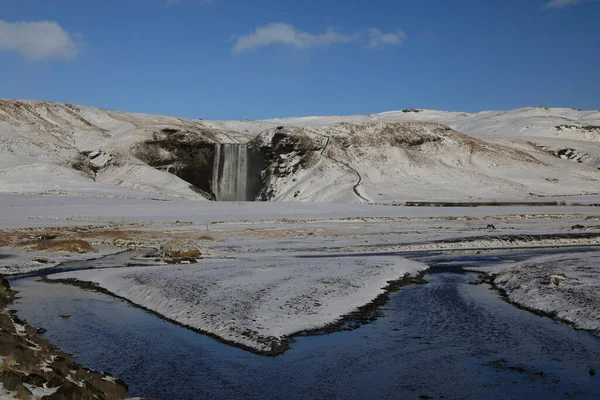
{"x":284,"y":152}
{"x":586,"y":132}
{"x":188,"y":155}
{"x":6,"y":293}
{"x":28,"y":363}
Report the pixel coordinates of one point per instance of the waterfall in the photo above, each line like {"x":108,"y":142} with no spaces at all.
{"x":230,"y":172}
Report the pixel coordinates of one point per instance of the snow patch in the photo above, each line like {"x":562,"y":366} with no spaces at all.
{"x":566,"y":286}
{"x":255,"y":303}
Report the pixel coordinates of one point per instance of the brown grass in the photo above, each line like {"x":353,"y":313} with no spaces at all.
{"x":7,"y":363}
{"x":68,"y":245}
{"x":189,"y":253}
{"x":206,"y":237}
{"x":113,"y":234}
{"x":5,"y":241}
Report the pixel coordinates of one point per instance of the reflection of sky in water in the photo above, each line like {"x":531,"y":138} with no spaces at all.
{"x":447,"y":338}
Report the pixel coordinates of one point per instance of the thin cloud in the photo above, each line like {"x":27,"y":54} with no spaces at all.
{"x":39,"y":40}
{"x":380,"y":39}
{"x":562,"y":3}
{"x":278,"y":33}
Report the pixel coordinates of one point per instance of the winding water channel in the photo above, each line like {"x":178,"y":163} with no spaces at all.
{"x":446,"y":339}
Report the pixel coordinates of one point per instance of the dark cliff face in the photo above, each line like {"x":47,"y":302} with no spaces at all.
{"x":7,"y":295}
{"x":188,"y":155}
{"x":256,"y":167}
{"x":283,"y":153}
{"x":191,"y":157}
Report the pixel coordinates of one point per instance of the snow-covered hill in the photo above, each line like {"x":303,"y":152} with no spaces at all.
{"x":385,"y":162}
{"x":520,"y":123}
{"x":53,"y":148}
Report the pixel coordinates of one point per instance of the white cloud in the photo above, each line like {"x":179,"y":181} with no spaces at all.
{"x":562,"y":3}
{"x":285,"y":34}
{"x":37,"y":40}
{"x":380,"y":39}
{"x":280,"y":33}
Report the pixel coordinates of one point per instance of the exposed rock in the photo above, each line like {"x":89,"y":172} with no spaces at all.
{"x":6,"y":294}
{"x":284,"y":152}
{"x":29,"y":359}
{"x":588,"y":128}
{"x":187,"y":154}
{"x":70,"y":391}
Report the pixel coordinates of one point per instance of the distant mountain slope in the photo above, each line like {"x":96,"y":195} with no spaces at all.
{"x":382,"y":162}
{"x":519,"y":123}
{"x":58,"y":148}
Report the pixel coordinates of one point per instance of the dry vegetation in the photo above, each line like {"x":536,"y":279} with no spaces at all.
{"x":7,"y":363}
{"x":56,"y":238}
{"x":4,"y":241}
{"x":176,"y":245}
{"x":174,"y":253}
{"x":183,"y":249}
{"x":112,"y":234}
{"x":68,"y":245}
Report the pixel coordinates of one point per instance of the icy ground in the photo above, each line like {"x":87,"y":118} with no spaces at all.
{"x":267,"y":270}
{"x":565,"y":286}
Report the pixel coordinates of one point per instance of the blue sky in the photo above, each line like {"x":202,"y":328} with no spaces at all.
{"x":225,"y":59}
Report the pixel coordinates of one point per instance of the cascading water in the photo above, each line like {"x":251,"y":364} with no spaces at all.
{"x":230,"y":172}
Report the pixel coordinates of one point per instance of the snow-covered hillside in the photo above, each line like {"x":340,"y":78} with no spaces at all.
{"x":50,"y":148}
{"x":384,"y":162}
{"x":519,"y":123}
{"x":54,"y":148}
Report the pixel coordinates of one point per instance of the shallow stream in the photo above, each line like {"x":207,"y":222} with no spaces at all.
{"x":446,"y":339}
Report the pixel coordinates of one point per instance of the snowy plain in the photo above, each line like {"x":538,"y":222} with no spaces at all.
{"x":269,"y":270}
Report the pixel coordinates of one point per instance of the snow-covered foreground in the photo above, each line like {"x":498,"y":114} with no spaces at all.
{"x":564,"y":286}
{"x":255,"y":303}
{"x":266,"y":270}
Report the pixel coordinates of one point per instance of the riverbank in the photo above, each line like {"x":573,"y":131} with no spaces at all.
{"x":565,"y":287}
{"x":445,"y":338}
{"x":33,"y":368}
{"x":256,"y":304}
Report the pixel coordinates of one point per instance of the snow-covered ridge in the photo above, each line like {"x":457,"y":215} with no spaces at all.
{"x":394,"y":156}
{"x":522,"y":122}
